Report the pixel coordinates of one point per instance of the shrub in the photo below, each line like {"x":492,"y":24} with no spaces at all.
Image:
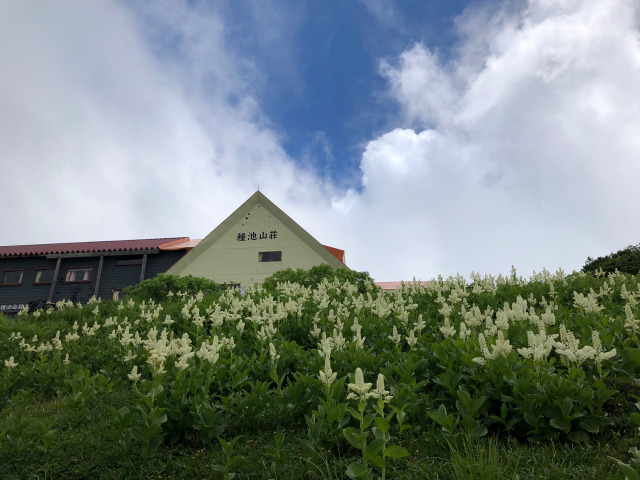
{"x":626,"y":261}
{"x":159,"y":286}
{"x":315,"y":275}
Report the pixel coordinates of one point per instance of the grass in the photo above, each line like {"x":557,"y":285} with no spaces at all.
{"x":82,"y":449}
{"x":57,"y":418}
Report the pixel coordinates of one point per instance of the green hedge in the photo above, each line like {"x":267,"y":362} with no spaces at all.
{"x":158,"y":287}
{"x":315,"y":275}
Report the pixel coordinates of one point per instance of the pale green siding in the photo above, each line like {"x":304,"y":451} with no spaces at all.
{"x":225,"y":258}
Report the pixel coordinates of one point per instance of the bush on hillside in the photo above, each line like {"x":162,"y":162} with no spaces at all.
{"x":158,"y":287}
{"x":626,"y":261}
{"x":315,"y":275}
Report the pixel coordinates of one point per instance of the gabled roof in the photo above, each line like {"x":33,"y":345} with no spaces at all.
{"x":88,"y":247}
{"x":330,"y":255}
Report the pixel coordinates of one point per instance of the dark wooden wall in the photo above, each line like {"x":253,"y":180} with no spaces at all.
{"x":114,"y":276}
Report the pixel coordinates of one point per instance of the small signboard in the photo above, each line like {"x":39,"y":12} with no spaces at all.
{"x":250,"y":236}
{"x":12,"y":307}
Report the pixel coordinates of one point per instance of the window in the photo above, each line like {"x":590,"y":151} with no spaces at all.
{"x":129,"y":261}
{"x":12,"y":277}
{"x":270,"y":256}
{"x":79,"y":274}
{"x":44,"y":276}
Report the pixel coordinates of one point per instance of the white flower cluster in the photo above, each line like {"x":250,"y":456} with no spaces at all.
{"x":395,"y":336}
{"x":379,"y":392}
{"x":631,"y":322}
{"x":210,"y":350}
{"x":327,"y":376}
{"x":358,"y":339}
{"x":134,"y":376}
{"x":360,"y":390}
{"x":273,"y":354}
{"x":600,"y":354}
{"x":447,"y":329}
{"x":569,"y":347}
{"x":588,"y":304}
{"x":500,"y":348}
{"x":10,"y":363}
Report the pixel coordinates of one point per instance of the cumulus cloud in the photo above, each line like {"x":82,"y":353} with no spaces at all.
{"x":521,"y":148}
{"x":142,"y":120}
{"x":129,"y":122}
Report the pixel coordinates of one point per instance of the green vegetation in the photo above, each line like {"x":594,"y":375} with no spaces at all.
{"x":625,"y":261}
{"x":158,"y":287}
{"x":329,"y":378}
{"x":315,"y":275}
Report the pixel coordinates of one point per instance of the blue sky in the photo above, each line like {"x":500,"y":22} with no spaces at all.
{"x":327,"y":100}
{"x":423,"y":138}
{"x":319,"y":81}
{"x":322,"y":85}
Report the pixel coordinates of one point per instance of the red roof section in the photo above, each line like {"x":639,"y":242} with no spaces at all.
{"x":175,"y":243}
{"x":336,"y":252}
{"x":87,"y":247}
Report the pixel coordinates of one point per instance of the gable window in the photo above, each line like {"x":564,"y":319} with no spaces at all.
{"x":44,"y":276}
{"x":270,"y":256}
{"x":78,"y":274}
{"x":12,"y":277}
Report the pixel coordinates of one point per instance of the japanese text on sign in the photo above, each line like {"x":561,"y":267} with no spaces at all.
{"x":11,"y":307}
{"x":245,"y":237}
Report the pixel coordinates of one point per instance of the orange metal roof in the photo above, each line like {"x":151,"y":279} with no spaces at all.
{"x":186,"y":243}
{"x":336,"y":252}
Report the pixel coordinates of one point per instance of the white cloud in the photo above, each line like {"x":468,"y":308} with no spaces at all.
{"x":115,"y":125}
{"x":526,"y":150}
{"x":144,"y":121}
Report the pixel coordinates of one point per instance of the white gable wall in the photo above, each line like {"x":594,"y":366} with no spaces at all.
{"x":232,"y":260}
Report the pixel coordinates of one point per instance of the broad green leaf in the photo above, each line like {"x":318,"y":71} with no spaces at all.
{"x":356,"y":470}
{"x":374,"y":447}
{"x":395,"y":451}
{"x":628,"y":471}
{"x":594,"y":424}
{"x":355,"y":437}
{"x":477,"y":404}
{"x":354,"y":413}
{"x":376,"y":460}
{"x":635,"y":418}
{"x":563,"y":425}
{"x":383,"y":424}
{"x":634,"y":355}
{"x":566,"y":406}
{"x":368,"y":420}
{"x":464,"y":396}
{"x":531,"y":419}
